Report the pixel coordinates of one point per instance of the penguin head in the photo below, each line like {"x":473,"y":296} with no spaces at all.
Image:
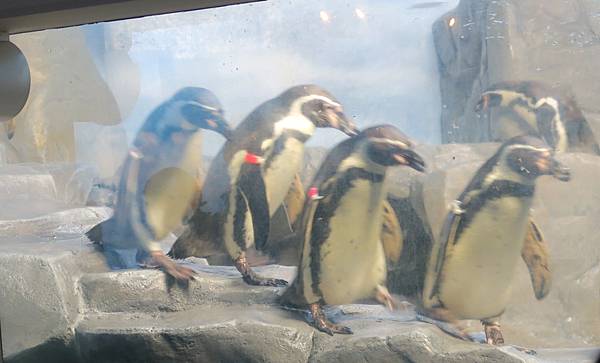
{"x":319,"y":106}
{"x":201,"y":109}
{"x":531,"y":157}
{"x":488,"y":99}
{"x":388,"y":146}
{"x":527,"y":93}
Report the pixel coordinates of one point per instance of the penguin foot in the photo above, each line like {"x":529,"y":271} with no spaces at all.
{"x":493,"y":335}
{"x":383,"y":296}
{"x":172,"y":268}
{"x":263,"y":281}
{"x":251,"y":278}
{"x":323,"y":324}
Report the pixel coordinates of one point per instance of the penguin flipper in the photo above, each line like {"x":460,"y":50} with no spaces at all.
{"x":536,"y":257}
{"x":252,"y":185}
{"x":294,"y":201}
{"x":438,"y":255}
{"x":391,"y":233}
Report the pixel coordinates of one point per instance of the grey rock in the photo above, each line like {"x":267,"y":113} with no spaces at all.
{"x":74,"y":221}
{"x":60,"y":304}
{"x":148,"y":291}
{"x":32,"y":190}
{"x":38,"y":294}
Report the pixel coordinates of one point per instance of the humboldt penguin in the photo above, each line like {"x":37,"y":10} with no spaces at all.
{"x":534,"y":108}
{"x":343,"y":258}
{"x":472,"y":265}
{"x":159,"y":180}
{"x":252,"y":174}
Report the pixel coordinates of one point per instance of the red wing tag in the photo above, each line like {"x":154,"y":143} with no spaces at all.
{"x":313,"y":193}
{"x":252,"y":158}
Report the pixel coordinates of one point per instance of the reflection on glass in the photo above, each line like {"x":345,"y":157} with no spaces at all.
{"x":378,"y":168}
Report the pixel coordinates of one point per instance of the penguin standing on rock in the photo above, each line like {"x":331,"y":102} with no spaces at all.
{"x":160,"y":180}
{"x":534,"y":108}
{"x":343,"y":258}
{"x":252,"y":174}
{"x":472,"y":265}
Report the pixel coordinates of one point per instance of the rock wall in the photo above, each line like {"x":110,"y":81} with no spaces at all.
{"x":485,"y":41}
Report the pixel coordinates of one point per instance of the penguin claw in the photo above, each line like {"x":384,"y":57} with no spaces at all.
{"x":172,"y":268}
{"x":493,"y":335}
{"x":331,"y":329}
{"x":261,"y":281}
{"x":322,"y":324}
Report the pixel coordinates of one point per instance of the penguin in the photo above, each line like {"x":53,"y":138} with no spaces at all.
{"x":343,"y":258}
{"x":472,"y":265}
{"x":159,"y":180}
{"x":534,"y":108}
{"x":252,"y":174}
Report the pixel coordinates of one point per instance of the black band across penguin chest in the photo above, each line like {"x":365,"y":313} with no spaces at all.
{"x":336,"y":195}
{"x":497,"y":190}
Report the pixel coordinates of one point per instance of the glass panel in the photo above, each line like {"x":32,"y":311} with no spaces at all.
{"x":239,"y":183}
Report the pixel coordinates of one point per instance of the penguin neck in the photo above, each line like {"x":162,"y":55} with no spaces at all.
{"x":558,"y":127}
{"x":502,"y":171}
{"x":294,"y":123}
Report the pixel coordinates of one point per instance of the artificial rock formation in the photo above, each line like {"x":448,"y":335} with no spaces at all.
{"x":482,"y":42}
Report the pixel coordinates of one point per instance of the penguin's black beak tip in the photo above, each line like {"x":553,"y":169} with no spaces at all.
{"x":350,"y":130}
{"x":345,"y":125}
{"x":412,"y":159}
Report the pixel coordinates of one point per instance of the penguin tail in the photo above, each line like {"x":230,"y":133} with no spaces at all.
{"x":184,"y":246}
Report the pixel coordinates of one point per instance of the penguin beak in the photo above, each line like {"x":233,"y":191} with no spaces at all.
{"x":218,"y":124}
{"x":488,"y":99}
{"x":337,"y":119}
{"x":559,"y":171}
{"x":410,"y":158}
{"x":546,"y":164}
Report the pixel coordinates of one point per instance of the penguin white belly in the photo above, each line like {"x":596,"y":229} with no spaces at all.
{"x":478,"y":270}
{"x":281,"y":172}
{"x":352,"y":259}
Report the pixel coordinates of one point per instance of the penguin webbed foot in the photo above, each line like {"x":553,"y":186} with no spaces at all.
{"x":493,"y":334}
{"x":323,"y":324}
{"x":172,"y":268}
{"x":251,"y":278}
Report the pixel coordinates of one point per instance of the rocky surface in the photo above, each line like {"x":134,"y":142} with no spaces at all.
{"x":488,"y":41}
{"x":60,"y":303}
